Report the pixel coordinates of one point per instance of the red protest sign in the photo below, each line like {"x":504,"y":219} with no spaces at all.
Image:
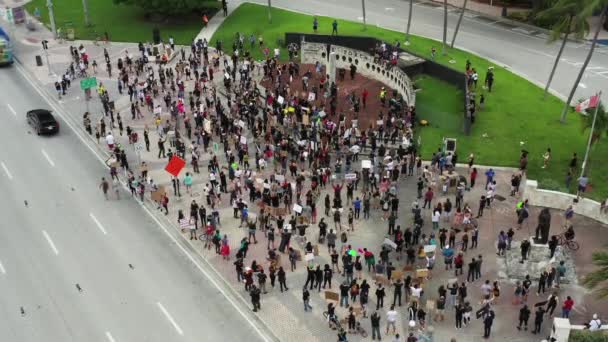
{"x":175,"y":165}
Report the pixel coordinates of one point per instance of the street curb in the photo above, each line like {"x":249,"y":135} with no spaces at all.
{"x":511,"y":21}
{"x":149,"y":207}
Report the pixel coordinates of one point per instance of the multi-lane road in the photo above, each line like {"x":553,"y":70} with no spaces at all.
{"x":76,"y":267}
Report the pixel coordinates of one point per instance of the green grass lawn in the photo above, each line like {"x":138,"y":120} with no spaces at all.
{"x":123,"y":23}
{"x":514,"y":111}
{"x":445,"y":117}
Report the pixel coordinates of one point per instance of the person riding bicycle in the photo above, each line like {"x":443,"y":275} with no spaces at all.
{"x":569,"y":234}
{"x":332,"y":319}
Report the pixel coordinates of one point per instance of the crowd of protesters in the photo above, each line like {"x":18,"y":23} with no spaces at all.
{"x":287,"y":150}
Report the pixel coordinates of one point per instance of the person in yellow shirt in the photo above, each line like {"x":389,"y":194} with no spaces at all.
{"x":383,"y":96}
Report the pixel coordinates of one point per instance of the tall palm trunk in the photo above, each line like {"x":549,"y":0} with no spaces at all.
{"x":464,"y":7}
{"x":364,"y":18}
{"x":269,"y":11}
{"x":557,"y":58}
{"x":445,"y":26}
{"x":580,"y":74}
{"x":85,"y":8}
{"x":409,"y":22}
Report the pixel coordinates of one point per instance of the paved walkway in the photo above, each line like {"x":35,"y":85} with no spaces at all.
{"x":283,"y":312}
{"x":216,"y":21}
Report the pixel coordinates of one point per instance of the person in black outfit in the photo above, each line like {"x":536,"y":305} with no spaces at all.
{"x":487,"y":323}
{"x":553,"y":245}
{"x":202,"y":212}
{"x":282,"y":279}
{"x":255,"y":298}
{"x":552,"y":303}
{"x":375,"y":318}
{"x":459,"y":314}
{"x":524,"y":315}
{"x":327,"y":274}
{"x":538,"y":319}
{"x":380,"y":294}
{"x":318,"y":277}
{"x":542,"y":281}
{"x":397,"y":294}
{"x":310,"y":277}
{"x":471,"y":272}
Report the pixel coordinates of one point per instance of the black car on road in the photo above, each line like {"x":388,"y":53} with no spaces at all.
{"x":42,"y":121}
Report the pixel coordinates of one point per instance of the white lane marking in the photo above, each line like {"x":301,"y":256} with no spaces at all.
{"x":160,"y":224}
{"x":173,"y":322}
{"x":8,"y":173}
{"x":48,"y":158}
{"x":11,"y":109}
{"x":48,"y":238}
{"x":2,"y":269}
{"x":98,"y":224}
{"x":109,"y":336}
{"x":582,"y":85}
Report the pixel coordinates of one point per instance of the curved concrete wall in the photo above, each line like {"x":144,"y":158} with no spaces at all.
{"x":394,"y":77}
{"x":561,"y":200}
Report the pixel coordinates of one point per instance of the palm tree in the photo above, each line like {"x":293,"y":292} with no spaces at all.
{"x":269,"y":11}
{"x":85,"y":8}
{"x":409,"y":22}
{"x":464,"y":7}
{"x":445,"y":26}
{"x":586,"y":12}
{"x":601,"y":122}
{"x":598,"y":279}
{"x":566,"y":20}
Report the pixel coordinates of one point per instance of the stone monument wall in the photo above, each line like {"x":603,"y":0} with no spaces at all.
{"x":394,"y":78}
{"x":561,"y":200}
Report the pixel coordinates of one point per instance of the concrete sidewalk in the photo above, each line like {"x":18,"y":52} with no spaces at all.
{"x":494,"y":10}
{"x":217,"y":20}
{"x":283,"y":312}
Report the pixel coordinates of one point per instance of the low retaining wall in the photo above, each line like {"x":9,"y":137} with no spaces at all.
{"x":394,"y":77}
{"x":367,"y":45}
{"x":561,"y":200}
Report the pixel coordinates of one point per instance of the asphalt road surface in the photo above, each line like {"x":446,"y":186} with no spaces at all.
{"x":522,"y":52}
{"x":75,"y":267}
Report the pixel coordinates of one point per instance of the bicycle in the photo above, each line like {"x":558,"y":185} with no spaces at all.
{"x":359,"y":330}
{"x":562,"y":240}
{"x":333,"y":322}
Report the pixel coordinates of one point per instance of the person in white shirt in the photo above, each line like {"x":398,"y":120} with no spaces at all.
{"x":110,"y":141}
{"x":435,"y":219}
{"x":486,"y":288}
{"x":391,"y":319}
{"x":595,"y":323}
{"x":416,"y":292}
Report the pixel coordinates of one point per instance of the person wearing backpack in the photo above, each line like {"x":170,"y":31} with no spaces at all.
{"x":595,"y":324}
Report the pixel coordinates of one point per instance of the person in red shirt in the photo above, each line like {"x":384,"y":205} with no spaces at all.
{"x":428,"y":197}
{"x":364,"y":96}
{"x":568,"y":304}
{"x":473,"y":177}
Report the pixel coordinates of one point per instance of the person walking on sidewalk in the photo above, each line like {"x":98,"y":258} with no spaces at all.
{"x":165,"y":203}
{"x":262,"y":281}
{"x":524,"y":316}
{"x":538,"y":319}
{"x":306,"y":299}
{"x":282,"y":279}
{"x":375,"y":320}
{"x":255,"y":298}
